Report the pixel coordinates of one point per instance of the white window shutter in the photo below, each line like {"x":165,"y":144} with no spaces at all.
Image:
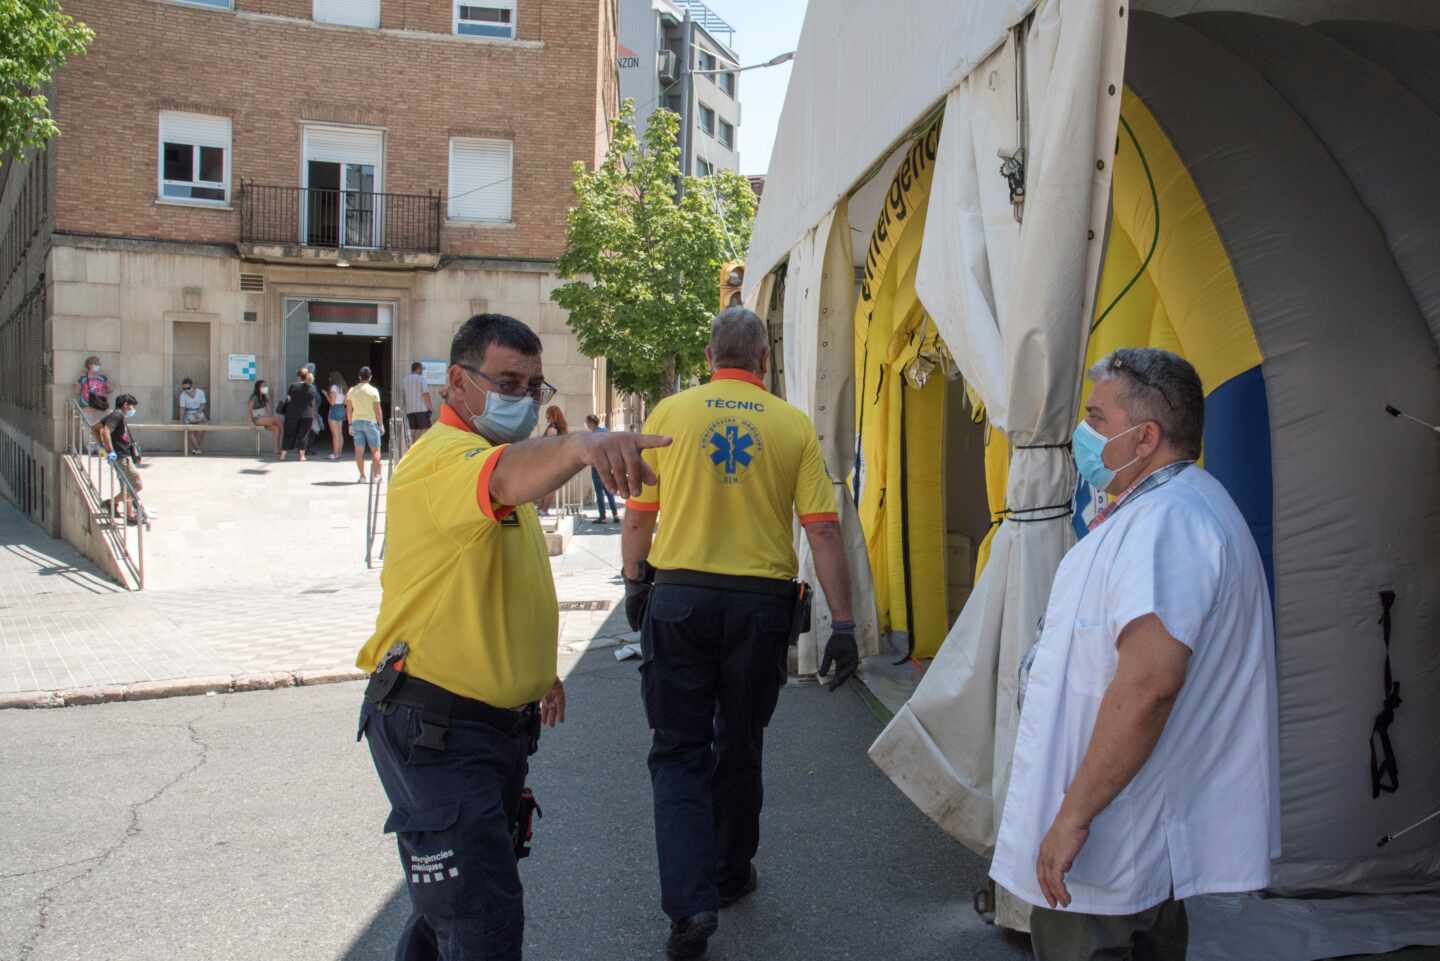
{"x":351,"y":13}
{"x":196,"y":129}
{"x":480,"y":179}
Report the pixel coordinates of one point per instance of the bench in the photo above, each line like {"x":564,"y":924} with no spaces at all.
{"x":201,"y":428}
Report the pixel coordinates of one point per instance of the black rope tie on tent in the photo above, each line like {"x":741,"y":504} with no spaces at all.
{"x":1386,"y":767}
{"x":1051,"y":512}
{"x":1064,"y":446}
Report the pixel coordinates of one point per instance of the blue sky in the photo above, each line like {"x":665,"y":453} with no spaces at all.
{"x":763,"y":29}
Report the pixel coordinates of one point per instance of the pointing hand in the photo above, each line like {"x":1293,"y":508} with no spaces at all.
{"x":616,"y":458}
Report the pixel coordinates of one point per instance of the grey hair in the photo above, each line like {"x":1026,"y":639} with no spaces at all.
{"x":737,"y":339}
{"x":1161,"y":387}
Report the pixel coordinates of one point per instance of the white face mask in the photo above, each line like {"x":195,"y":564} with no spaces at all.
{"x":94,"y":368}
{"x":264,"y":390}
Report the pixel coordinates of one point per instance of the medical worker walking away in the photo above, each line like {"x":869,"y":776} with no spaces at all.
{"x":722,"y":613}
{"x":463,"y":658}
{"x":1145,"y":767}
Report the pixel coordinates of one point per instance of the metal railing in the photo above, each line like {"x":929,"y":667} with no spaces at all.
{"x":375,"y":527}
{"x":106,"y":485}
{"x":315,"y":217}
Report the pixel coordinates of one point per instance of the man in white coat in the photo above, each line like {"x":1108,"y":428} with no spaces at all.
{"x":1146,"y":759}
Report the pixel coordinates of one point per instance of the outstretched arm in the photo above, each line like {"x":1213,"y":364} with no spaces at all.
{"x":534,"y":468}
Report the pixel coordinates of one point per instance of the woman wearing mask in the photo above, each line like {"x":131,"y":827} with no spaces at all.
{"x":302,"y":403}
{"x":336,"y":417}
{"x":261,"y":415}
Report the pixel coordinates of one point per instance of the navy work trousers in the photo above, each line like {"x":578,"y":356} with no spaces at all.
{"x":714,"y":663}
{"x":602,"y":495}
{"x":451,"y":813}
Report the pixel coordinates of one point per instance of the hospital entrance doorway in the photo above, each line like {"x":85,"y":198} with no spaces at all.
{"x":341,"y":337}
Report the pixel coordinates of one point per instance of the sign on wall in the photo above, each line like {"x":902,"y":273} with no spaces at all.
{"x":435,"y":371}
{"x":242,"y":366}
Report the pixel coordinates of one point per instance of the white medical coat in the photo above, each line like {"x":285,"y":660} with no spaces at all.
{"x":1202,"y":815}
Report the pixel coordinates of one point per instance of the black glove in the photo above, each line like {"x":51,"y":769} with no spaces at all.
{"x":841,"y":651}
{"x":637,"y":595}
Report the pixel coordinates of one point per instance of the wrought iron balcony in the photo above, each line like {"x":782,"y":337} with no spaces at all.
{"x":350,"y":219}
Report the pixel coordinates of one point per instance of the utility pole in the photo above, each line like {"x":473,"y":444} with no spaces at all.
{"x":687,"y":90}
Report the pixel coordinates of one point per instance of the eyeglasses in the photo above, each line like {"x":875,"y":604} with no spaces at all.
{"x":541,"y":393}
{"x":1144,"y":379}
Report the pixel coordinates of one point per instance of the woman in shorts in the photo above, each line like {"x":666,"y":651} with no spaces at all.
{"x":261,"y":414}
{"x":336,"y":417}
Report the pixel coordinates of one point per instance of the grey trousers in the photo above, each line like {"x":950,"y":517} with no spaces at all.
{"x":1160,"y":933}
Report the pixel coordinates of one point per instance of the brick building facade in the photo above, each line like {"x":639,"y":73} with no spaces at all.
{"x":241,"y":177}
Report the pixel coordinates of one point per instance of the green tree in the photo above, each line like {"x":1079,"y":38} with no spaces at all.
{"x":643,"y":257}
{"x":35,"y":40}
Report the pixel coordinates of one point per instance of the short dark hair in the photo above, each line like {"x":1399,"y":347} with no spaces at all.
{"x":124,"y":399}
{"x":592,"y":419}
{"x":477,"y":334}
{"x":186,"y":382}
{"x":364,"y":373}
{"x":416,"y":367}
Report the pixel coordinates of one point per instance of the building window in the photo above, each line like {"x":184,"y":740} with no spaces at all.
{"x":727,"y":84}
{"x":704,"y":59}
{"x":707,"y":120}
{"x":703,"y":168}
{"x":727,"y":134}
{"x":221,"y":4}
{"x":194,"y":158}
{"x":480,"y":179}
{"x":351,"y":13}
{"x":486,"y":18}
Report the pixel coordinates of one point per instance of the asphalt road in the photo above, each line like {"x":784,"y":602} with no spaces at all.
{"x":247,"y":826}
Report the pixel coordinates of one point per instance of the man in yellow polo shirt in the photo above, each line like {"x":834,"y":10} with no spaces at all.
{"x":718,"y":620}
{"x":463,"y":659}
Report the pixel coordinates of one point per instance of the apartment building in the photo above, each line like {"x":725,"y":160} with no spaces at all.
{"x":245,"y":186}
{"x":675,"y":55}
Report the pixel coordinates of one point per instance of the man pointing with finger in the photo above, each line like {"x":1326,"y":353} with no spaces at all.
{"x":463,"y":658}
{"x":719,"y":616}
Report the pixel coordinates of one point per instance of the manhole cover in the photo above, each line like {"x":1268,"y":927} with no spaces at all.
{"x":585,"y":605}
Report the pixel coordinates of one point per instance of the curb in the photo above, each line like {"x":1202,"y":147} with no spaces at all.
{"x":177,"y":687}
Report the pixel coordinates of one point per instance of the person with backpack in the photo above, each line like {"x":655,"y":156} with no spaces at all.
{"x":93,"y":387}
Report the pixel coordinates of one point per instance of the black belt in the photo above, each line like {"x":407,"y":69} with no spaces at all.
{"x":770,"y":586}
{"x":414,"y":692}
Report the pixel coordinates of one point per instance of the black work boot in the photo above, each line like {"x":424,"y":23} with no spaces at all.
{"x":689,"y":936}
{"x":728,"y":898}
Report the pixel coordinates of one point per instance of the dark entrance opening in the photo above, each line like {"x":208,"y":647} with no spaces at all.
{"x":347,"y":353}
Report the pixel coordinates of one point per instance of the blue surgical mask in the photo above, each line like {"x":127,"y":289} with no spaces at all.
{"x":1088,"y":445}
{"x":130,"y":412}
{"x":506,"y":419}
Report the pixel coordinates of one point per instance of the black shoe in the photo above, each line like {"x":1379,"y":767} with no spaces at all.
{"x":689,"y":937}
{"x":751,"y":883}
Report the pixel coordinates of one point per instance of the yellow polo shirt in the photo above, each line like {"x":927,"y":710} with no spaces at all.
{"x":466,"y":582}
{"x":741,"y":464}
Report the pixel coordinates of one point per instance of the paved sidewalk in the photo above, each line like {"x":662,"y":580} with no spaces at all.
{"x":266,"y":584}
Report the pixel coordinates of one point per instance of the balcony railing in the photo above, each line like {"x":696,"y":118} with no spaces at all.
{"x":314,"y":217}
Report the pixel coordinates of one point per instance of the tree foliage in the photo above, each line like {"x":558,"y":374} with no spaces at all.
{"x":35,"y":40}
{"x":644,"y":258}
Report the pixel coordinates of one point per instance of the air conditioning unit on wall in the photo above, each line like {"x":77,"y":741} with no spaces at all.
{"x":668,"y":65}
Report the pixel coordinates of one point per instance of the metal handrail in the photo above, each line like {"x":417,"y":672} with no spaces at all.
{"x":104,"y":481}
{"x":400,"y":441}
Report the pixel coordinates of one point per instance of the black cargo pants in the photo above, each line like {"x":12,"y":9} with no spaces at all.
{"x":714,"y":663}
{"x":451,"y":813}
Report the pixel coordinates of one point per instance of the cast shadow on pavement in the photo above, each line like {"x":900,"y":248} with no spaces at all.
{"x":848,"y":867}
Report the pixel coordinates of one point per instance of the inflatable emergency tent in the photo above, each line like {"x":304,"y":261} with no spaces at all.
{"x":969,"y":202}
